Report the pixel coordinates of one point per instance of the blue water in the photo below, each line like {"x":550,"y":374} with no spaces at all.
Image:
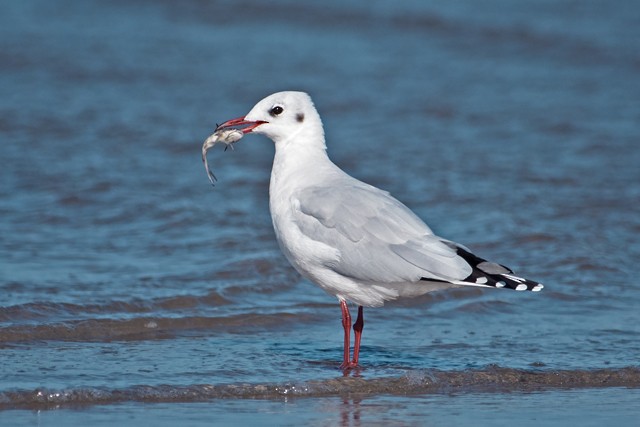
{"x":510,"y":127}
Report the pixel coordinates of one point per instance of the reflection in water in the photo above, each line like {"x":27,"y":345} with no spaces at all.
{"x":353,"y":372}
{"x":350,"y":412}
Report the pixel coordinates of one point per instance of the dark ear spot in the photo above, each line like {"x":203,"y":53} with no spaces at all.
{"x":300,"y":117}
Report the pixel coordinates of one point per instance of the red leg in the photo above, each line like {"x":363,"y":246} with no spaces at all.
{"x":346,"y":324}
{"x":357,"y":328}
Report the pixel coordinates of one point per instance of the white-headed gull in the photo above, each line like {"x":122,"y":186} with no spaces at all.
{"x":353,"y":240}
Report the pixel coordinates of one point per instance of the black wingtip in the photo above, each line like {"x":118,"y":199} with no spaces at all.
{"x":487,"y":273}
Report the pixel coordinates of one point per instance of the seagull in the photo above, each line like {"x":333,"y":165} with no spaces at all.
{"x":355,"y":241}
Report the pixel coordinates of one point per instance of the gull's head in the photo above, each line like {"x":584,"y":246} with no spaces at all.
{"x":281,"y":117}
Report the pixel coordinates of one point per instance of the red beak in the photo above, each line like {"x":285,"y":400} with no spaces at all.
{"x":240,"y":123}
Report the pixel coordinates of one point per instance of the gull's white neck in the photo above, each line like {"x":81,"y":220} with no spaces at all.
{"x":300,"y":160}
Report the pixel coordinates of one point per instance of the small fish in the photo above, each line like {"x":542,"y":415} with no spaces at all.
{"x":226,"y":136}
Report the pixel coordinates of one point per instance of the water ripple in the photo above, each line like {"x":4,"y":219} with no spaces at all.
{"x":493,"y":379}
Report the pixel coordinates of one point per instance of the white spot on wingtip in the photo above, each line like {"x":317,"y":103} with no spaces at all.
{"x":500,"y":284}
{"x":481,"y":280}
{"x":521,"y":287}
{"x":537,"y":288}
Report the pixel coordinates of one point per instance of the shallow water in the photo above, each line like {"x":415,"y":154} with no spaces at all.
{"x":590,"y":407}
{"x":129,"y":287}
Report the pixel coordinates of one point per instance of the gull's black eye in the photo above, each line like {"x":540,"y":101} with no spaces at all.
{"x":276,"y":111}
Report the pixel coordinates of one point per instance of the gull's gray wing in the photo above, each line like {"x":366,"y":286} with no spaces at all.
{"x":378,"y":238}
